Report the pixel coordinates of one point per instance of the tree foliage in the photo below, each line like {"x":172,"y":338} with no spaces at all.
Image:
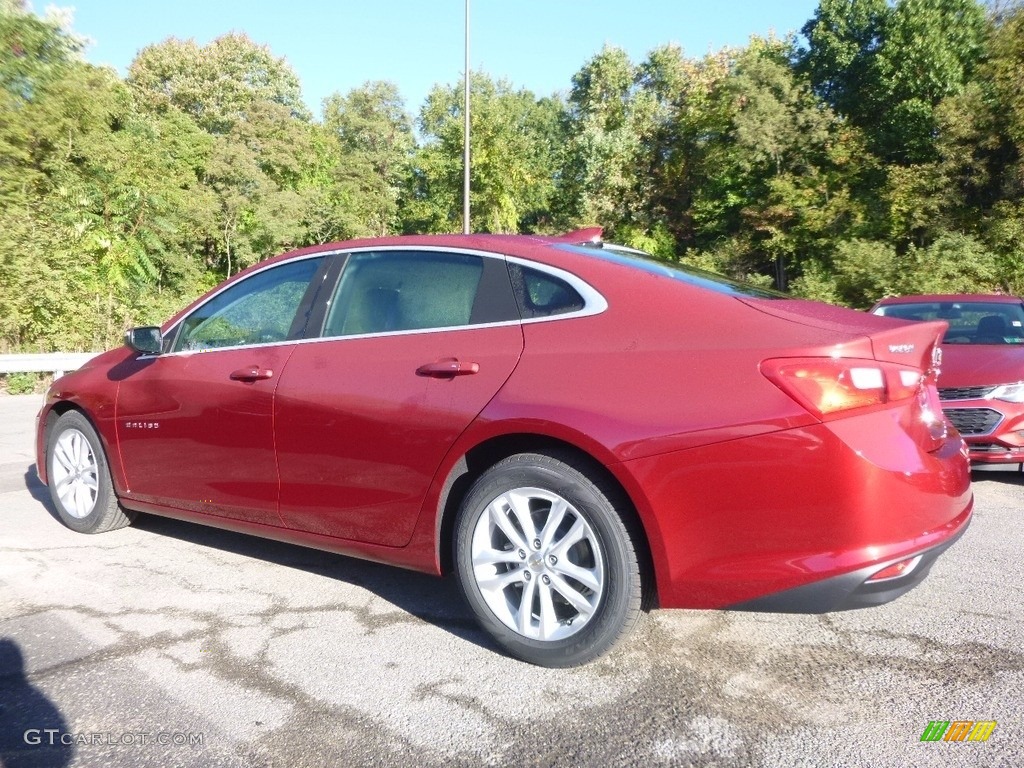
{"x":514,"y":140}
{"x":881,"y":153}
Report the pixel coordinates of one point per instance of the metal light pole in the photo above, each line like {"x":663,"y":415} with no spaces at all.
{"x":465,"y":139}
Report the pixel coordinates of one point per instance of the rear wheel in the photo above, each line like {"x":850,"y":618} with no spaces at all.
{"x":545,"y":560}
{"x":79,"y":477}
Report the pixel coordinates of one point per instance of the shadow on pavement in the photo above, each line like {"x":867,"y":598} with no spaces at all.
{"x":31,"y":726}
{"x":39,"y":492}
{"x":429,"y":598}
{"x":437,"y":601}
{"x":1007,"y":477}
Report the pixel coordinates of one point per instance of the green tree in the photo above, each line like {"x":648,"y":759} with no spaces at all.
{"x":886,"y":67}
{"x":375,"y":146}
{"x":217,"y":84}
{"x":599,"y":167}
{"x":844,"y":37}
{"x":253,"y":179}
{"x":510,"y":166}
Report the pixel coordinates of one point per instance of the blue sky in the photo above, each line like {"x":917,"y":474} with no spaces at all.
{"x":336,"y":45}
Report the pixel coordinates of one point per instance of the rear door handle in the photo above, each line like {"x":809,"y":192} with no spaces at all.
{"x":447,"y":369}
{"x":252,"y":373}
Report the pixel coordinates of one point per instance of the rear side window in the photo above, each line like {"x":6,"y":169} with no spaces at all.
{"x":390,"y":291}
{"x":542,"y":295}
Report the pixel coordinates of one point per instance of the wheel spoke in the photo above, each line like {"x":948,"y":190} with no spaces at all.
{"x":60,"y":453}
{"x":499,"y":582}
{"x":520,"y":506}
{"x":577,"y":533}
{"x":62,"y":484}
{"x":558,"y":509}
{"x":83,"y":500}
{"x":549,"y":623}
{"x":588,"y":577}
{"x":67,"y":492}
{"x":495,"y":557}
{"x":77,"y":450}
{"x":497,"y":515}
{"x":524,"y":619}
{"x":572,"y":595}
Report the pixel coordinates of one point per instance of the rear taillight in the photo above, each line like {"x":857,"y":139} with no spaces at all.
{"x":828,"y":386}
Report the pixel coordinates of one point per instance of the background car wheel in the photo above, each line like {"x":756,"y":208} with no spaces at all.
{"x":79,"y":477}
{"x":546,"y":562}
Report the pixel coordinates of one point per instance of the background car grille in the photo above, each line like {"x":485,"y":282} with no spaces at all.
{"x":964,"y":393}
{"x":989,"y":448}
{"x":973,"y":421}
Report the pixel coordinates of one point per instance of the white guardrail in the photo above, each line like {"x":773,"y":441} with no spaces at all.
{"x":57,"y":363}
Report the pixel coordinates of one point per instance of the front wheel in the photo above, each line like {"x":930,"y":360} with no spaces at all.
{"x":79,"y":477}
{"x":545,"y":560}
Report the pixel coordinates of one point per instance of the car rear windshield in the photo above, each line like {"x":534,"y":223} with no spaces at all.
{"x":970,"y":322}
{"x":698,"y":277}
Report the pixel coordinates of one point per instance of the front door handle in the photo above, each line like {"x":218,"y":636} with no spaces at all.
{"x":252,"y":373}
{"x":447,"y":369}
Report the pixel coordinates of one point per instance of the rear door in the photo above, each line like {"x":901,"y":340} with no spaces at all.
{"x":415,"y":343}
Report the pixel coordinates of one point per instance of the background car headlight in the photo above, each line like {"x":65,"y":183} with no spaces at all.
{"x":1010,"y":393}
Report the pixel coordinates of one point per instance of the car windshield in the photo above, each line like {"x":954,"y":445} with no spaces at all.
{"x":970,"y":322}
{"x":708,"y":280}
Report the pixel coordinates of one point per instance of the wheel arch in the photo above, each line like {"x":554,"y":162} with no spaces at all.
{"x":50,"y":417}
{"x":485,"y":454}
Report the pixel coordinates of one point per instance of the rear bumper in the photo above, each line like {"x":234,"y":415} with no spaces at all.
{"x":800,"y":517}
{"x":853,"y":590}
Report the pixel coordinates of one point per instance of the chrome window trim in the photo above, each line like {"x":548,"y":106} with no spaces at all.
{"x":594,"y":303}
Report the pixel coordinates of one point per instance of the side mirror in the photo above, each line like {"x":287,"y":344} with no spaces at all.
{"x":147,"y":340}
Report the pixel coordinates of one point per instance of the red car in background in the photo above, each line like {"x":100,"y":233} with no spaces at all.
{"x":982,"y":381}
{"x":577,"y":431}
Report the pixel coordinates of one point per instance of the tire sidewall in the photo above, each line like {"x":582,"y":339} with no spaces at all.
{"x":606,"y":625}
{"x":104,"y":491}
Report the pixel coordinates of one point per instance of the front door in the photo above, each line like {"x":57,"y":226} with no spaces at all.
{"x":195,"y":425}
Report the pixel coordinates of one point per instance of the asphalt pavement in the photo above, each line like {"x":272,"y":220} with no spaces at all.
{"x":171,"y":644}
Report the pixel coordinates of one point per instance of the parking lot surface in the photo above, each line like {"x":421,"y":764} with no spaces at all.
{"x":171,"y":644}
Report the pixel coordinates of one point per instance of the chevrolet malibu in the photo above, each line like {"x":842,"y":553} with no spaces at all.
{"x":576,"y":431}
{"x":983,"y":369}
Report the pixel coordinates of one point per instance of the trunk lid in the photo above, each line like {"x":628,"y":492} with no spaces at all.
{"x":892,"y":341}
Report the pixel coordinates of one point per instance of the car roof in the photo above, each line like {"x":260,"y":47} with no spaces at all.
{"x":514,"y":245}
{"x":990,"y":298}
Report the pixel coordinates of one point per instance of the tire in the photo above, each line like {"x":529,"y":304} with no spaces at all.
{"x":545,"y":560}
{"x":79,"y":477}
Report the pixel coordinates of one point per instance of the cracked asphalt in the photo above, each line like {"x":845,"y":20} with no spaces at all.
{"x":170,"y":644}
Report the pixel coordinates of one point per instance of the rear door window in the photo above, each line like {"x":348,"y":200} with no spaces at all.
{"x":394,"y":291}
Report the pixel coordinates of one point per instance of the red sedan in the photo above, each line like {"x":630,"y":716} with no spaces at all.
{"x":982,"y":389}
{"x":577,"y":431}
